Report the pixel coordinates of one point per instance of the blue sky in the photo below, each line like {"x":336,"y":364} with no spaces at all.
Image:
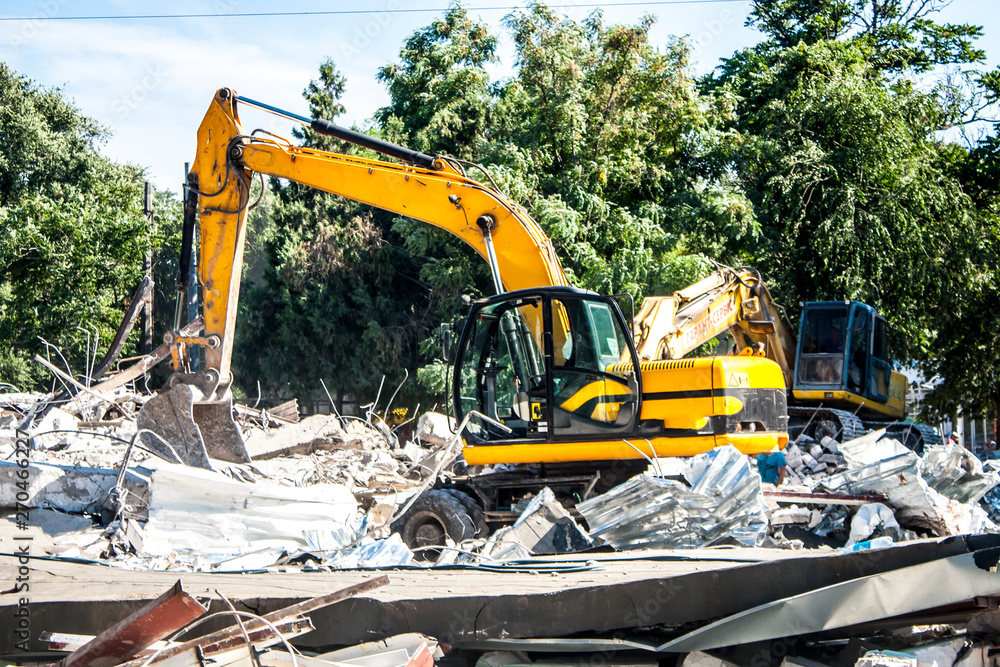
{"x":149,"y":81}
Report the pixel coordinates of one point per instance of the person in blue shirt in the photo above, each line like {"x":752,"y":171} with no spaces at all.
{"x":772,"y":467}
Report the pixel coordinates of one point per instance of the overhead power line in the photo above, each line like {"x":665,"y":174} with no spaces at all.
{"x":648,"y":3}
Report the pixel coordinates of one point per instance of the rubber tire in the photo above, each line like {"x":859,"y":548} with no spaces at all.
{"x":436,"y":515}
{"x":474,"y":511}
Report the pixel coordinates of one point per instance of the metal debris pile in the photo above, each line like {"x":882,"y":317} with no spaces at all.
{"x":153,"y":634}
{"x":323,"y":493}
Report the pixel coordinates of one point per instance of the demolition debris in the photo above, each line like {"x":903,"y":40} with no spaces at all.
{"x":631,"y":569}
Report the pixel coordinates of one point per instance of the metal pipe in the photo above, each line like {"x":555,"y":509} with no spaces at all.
{"x":491,"y":258}
{"x":331,"y":129}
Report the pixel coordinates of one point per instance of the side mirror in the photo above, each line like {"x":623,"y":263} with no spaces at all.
{"x":446,"y":333}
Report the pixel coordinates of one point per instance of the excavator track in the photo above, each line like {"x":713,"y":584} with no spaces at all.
{"x":840,"y":425}
{"x":843,"y":426}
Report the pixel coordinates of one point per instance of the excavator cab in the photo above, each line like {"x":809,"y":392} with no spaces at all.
{"x":843,"y":356}
{"x":543,"y":366}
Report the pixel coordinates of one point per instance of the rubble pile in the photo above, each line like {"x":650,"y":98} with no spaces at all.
{"x":321,"y":494}
{"x":314,"y":489}
{"x":810,"y":461}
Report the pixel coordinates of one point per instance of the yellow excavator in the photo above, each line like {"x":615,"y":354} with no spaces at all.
{"x":546,"y":376}
{"x":839,"y":376}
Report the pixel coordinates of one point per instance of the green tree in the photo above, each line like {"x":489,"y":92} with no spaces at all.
{"x":835,"y":146}
{"x":600,"y":134}
{"x":73,"y":233}
{"x":338,"y":299}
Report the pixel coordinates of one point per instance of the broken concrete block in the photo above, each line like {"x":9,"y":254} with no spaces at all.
{"x":830,"y":445}
{"x":816,"y":451}
{"x":70,"y":489}
{"x":52,"y":430}
{"x":314,"y":433}
{"x":434,"y":428}
{"x":793,"y":456}
{"x":545,"y":527}
{"x":791,"y":515}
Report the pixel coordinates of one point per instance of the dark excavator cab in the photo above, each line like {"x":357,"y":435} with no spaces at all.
{"x":843,"y":347}
{"x":546,"y":364}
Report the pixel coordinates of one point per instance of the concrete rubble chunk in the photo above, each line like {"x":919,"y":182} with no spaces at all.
{"x":791,"y":515}
{"x":434,"y":428}
{"x":70,"y":489}
{"x":55,"y":430}
{"x":545,"y":527}
{"x":308,"y":435}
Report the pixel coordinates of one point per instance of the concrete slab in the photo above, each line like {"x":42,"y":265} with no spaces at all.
{"x":662,"y":588}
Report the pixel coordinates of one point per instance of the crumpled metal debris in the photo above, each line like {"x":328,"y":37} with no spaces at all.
{"x":957,"y":473}
{"x":886,"y":467}
{"x":722,"y":501}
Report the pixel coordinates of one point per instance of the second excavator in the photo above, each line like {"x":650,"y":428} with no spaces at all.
{"x":840,"y":378}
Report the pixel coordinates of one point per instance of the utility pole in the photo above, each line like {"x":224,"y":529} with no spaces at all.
{"x":146,"y":345}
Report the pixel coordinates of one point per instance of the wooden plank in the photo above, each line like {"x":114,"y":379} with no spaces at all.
{"x":260,"y":638}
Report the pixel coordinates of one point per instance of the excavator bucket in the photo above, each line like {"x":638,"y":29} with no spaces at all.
{"x":186,"y":430}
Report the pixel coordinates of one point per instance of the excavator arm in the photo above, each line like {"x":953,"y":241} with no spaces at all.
{"x":734,"y":300}
{"x":521,"y":254}
{"x":432,"y":189}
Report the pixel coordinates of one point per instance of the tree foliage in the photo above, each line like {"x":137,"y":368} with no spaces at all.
{"x":72,"y":232}
{"x":821,"y":155}
{"x":836,"y":146}
{"x":338,"y":299}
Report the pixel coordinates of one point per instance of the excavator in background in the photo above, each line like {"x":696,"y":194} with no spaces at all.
{"x":546,"y":377}
{"x":838,"y":372}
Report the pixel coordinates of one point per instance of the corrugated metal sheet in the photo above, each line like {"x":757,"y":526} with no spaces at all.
{"x":723,"y":501}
